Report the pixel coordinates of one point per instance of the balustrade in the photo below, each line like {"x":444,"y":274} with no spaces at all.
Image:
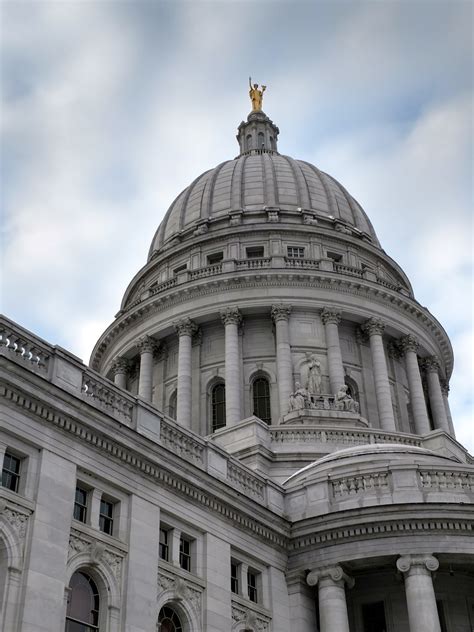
{"x":32,"y":352}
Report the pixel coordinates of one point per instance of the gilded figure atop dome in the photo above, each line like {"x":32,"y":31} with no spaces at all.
{"x":256,"y":96}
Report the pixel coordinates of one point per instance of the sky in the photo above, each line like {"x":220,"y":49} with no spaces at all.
{"x":109,"y":109}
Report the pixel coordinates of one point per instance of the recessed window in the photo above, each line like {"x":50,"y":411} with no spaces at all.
{"x":254,"y":252}
{"x":82,"y":614}
{"x":252,"y":585}
{"x":172,"y":405}
{"x":169,"y":621}
{"x":180,"y":269}
{"x":80,"y":504}
{"x":295,"y":252}
{"x":261,"y":399}
{"x":185,"y":554}
{"x":11,"y":472}
{"x":373,"y":617}
{"x":234,"y":578}
{"x":218,"y":406}
{"x":164,"y":544}
{"x":335,"y":256}
{"x":106,"y":517}
{"x":215,"y":258}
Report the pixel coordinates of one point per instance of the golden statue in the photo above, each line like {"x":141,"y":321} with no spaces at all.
{"x":256,"y":96}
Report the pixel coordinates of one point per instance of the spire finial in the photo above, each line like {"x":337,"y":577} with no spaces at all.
{"x":256,"y":96}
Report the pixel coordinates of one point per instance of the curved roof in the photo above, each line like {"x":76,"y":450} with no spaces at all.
{"x":256,"y":180}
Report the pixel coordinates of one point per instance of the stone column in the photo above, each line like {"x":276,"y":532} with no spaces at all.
{"x":281,"y":316}
{"x":374,"y":328}
{"x":409,"y":347}
{"x":120,"y":369}
{"x":231,"y":318}
{"x":421,"y":600}
{"x":445,"y":391}
{"x":438,"y":410}
{"x":146,"y":347}
{"x":185,"y":329}
{"x":331,"y":582}
{"x":331,"y":319}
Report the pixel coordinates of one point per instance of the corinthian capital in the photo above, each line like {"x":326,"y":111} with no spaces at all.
{"x":408,"y":343}
{"x":334,"y":573}
{"x":406,"y":563}
{"x":280,"y":311}
{"x":373,"y":326}
{"x":185,"y":327}
{"x":231,"y":316}
{"x":147,"y":344}
{"x":120,"y":365}
{"x":444,"y":387}
{"x":431,"y":364}
{"x":331,"y":316}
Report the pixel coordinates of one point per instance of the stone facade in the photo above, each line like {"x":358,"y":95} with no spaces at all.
{"x":263,"y":441}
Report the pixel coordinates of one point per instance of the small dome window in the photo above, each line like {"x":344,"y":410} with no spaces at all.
{"x":218,"y":406}
{"x":261,"y":399}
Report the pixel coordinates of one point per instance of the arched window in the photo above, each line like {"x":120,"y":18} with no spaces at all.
{"x":172,"y":405}
{"x":168,"y":620}
{"x":261,"y":399}
{"x":248,"y":142}
{"x":261,"y":140}
{"x":352,"y":388}
{"x":218,"y":406}
{"x":82,"y":613}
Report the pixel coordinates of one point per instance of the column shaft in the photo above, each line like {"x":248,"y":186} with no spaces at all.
{"x":231,"y":318}
{"x":332,"y":606}
{"x":435,"y":394}
{"x":281,"y":314}
{"x":420,"y":595}
{"x":374,"y":328}
{"x":409,"y":346}
{"x":331,"y":320}
{"x":146,"y":346}
{"x":183,"y":398}
{"x":120,"y":380}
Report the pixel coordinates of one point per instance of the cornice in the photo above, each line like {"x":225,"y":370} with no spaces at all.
{"x":145,"y":466}
{"x":273,"y":278}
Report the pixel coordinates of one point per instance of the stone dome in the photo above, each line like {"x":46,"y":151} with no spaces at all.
{"x":259,"y":179}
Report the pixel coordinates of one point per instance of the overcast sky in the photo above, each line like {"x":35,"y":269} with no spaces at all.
{"x":109,"y":109}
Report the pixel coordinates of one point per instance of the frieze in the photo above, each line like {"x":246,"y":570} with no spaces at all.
{"x":18,"y":520}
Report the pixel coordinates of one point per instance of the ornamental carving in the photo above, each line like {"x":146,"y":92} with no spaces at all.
{"x":334,"y":573}
{"x":120,"y":365}
{"x":407,"y":562}
{"x":182,"y":589}
{"x":444,"y":387}
{"x":231,"y":316}
{"x":17,"y":520}
{"x":185,"y":327}
{"x":253,"y":620}
{"x":330,"y":316}
{"x":408,"y":343}
{"x":374,"y":327}
{"x":98,"y":553}
{"x":281,"y":311}
{"x":147,"y":344}
{"x":431,"y":364}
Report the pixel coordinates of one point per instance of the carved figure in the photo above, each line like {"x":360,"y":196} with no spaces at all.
{"x":345,"y":402}
{"x":313,"y":382}
{"x":256,"y":96}
{"x":300,"y":398}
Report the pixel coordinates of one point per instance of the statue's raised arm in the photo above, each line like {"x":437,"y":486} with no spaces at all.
{"x":256,"y":96}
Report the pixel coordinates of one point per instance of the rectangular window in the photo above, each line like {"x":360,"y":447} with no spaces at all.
{"x":80,"y":504}
{"x":255,"y":252}
{"x":295,"y":252}
{"x":106,"y":517}
{"x":185,"y":554}
{"x":335,"y":256}
{"x":215,"y":258}
{"x":373,"y":617}
{"x":252,"y":586}
{"x":11,"y":472}
{"x":180,"y":269}
{"x":164,"y":545}
{"x":234,"y":578}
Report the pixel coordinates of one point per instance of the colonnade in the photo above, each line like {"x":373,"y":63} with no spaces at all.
{"x":373,"y":328}
{"x":417,"y":571}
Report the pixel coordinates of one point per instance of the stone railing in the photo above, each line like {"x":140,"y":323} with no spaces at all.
{"x":340,"y":436}
{"x":24,"y":347}
{"x":351,"y":485}
{"x":343,"y":269}
{"x":444,"y":480}
{"x":248,"y":482}
{"x":205,"y":272}
{"x":306,"y":264}
{"x":253,"y":264}
{"x":161,"y":287}
{"x":103,"y":394}
{"x":388,"y":285}
{"x":181,"y":442}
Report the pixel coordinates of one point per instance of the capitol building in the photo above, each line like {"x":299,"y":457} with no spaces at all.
{"x":262,"y":441}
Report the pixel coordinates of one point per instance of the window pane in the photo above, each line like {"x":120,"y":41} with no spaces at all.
{"x":185,"y":554}
{"x":218,"y":406}
{"x":80,"y":505}
{"x":83,"y":604}
{"x":261,"y":399}
{"x":11,"y":472}
{"x":164,"y":548}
